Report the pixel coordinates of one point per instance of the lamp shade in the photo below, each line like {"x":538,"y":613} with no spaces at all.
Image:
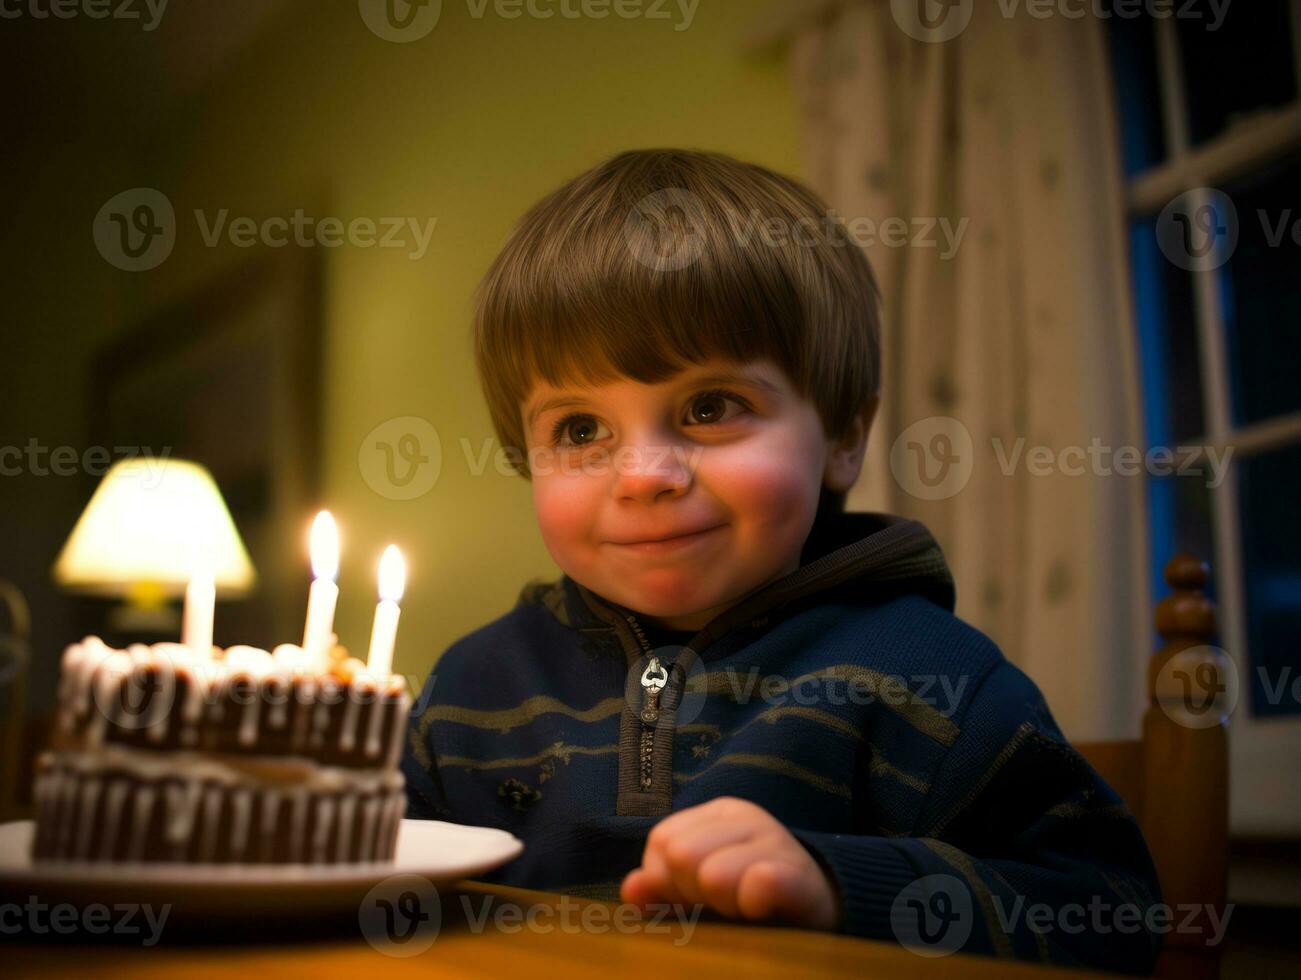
{"x":154,"y":522}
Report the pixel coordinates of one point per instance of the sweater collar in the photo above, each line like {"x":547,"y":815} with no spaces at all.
{"x":851,"y":558}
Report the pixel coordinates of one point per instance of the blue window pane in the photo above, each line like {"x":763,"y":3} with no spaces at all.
{"x":1168,"y":347}
{"x":1132,"y":41}
{"x":1261,"y":286}
{"x":1243,"y":66}
{"x":1271,"y":544}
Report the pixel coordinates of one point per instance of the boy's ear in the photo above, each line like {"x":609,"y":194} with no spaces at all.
{"x":845,"y":455}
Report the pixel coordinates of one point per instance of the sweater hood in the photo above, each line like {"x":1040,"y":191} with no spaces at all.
{"x":851,"y":558}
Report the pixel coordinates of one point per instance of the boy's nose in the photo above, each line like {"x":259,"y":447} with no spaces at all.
{"x":647,"y":472}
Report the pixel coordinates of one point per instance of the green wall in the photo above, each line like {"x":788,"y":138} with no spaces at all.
{"x":469,"y":125}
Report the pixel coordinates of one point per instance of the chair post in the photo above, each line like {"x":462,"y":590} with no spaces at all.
{"x":1185,"y":768}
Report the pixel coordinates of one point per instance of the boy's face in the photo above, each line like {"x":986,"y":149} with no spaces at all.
{"x":676,"y":499}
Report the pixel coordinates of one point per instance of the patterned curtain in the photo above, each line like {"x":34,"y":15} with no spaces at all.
{"x":981,"y":173}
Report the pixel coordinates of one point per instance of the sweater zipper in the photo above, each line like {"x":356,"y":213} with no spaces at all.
{"x":653,"y":679}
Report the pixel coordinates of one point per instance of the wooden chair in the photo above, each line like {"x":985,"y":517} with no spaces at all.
{"x":1175,"y":778}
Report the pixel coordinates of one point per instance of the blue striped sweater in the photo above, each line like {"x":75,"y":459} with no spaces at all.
{"x":920,"y":768}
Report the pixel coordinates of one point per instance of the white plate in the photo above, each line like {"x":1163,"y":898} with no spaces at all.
{"x":439,"y":851}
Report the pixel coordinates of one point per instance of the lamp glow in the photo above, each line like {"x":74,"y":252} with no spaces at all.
{"x":152,"y":523}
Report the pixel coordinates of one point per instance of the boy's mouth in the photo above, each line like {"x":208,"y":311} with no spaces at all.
{"x":668,"y":542}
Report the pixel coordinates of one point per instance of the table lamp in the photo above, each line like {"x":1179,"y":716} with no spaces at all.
{"x":150,"y":525}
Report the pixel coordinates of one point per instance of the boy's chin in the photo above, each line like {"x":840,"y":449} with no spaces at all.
{"x":667,"y":600}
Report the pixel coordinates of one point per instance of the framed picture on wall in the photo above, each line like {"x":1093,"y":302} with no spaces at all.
{"x":230,"y":377}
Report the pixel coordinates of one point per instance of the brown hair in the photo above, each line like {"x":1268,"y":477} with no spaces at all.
{"x":656,"y":259}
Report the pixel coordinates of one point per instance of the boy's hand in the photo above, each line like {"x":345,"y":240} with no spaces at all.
{"x":735,"y":857}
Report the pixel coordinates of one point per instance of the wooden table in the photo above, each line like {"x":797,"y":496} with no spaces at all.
{"x":460,"y":949}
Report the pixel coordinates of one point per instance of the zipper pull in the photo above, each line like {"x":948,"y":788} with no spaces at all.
{"x":653,"y":679}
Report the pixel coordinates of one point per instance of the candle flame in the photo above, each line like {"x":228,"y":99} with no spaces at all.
{"x":324,"y":545}
{"x":392,"y":574}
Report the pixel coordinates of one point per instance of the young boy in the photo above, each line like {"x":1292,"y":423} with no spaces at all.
{"x":737,"y":694}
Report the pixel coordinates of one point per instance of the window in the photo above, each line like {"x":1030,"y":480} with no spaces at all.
{"x":1210,"y":123}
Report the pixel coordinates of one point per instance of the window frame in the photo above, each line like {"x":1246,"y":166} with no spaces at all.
{"x":1257,"y":807}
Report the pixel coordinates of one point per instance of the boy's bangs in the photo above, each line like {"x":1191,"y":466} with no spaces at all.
{"x":609,"y":312}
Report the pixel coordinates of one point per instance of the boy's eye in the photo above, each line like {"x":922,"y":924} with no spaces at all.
{"x":710,"y":407}
{"x":707,"y":408}
{"x":576,"y":430}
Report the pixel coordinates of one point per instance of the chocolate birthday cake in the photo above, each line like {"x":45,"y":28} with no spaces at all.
{"x":245,"y":756}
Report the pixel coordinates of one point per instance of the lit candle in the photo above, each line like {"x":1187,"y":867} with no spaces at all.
{"x":324,"y":593}
{"x":196,"y":623}
{"x":392,"y":582}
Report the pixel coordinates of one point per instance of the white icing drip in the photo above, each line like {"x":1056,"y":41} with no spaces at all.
{"x":152,"y":766}
{"x":393,"y":813}
{"x":303,"y":714}
{"x":320,"y":722}
{"x":241,"y":805}
{"x":297,"y":824}
{"x":270,"y":813}
{"x":211,"y":817}
{"x":347,"y":814}
{"x":182,"y":808}
{"x":281,"y":688}
{"x":347,"y":731}
{"x":369,"y":811}
{"x":144,"y":809}
{"x":325,"y":808}
{"x":402,"y":708}
{"x":113,"y":806}
{"x":248,"y":720}
{"x":372,"y":730}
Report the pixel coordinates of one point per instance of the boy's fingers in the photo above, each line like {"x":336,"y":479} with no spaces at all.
{"x":637,"y":889}
{"x":685,"y":852}
{"x":658,"y":877}
{"x":777,"y":888}
{"x":719,"y":875}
